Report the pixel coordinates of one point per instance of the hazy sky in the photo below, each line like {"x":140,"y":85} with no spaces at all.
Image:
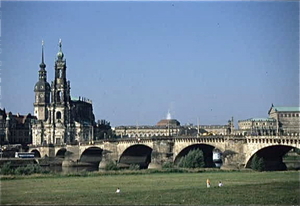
{"x":137,"y":60}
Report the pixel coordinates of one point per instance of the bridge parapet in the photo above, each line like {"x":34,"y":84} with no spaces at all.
{"x":286,"y":140}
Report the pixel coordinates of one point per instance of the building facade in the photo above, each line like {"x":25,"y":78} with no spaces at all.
{"x":62,"y":119}
{"x":281,"y":121}
{"x":172,"y":127}
{"x":258,"y":126}
{"x":165,"y":127}
{"x":287,"y":119}
{"x":15,"y":129}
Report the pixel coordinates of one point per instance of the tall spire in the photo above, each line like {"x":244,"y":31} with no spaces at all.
{"x":42,"y":65}
{"x":60,"y":45}
{"x":60,"y":54}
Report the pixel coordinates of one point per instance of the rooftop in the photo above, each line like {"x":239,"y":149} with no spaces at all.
{"x":258,"y":120}
{"x":287,"y":109}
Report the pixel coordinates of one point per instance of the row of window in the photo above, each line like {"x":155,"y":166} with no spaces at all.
{"x":257,"y":123}
{"x":289,"y":115}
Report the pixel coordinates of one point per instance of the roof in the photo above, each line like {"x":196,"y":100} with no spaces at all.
{"x":287,"y":109}
{"x":166,"y":122}
{"x":22,"y":118}
{"x":258,"y":120}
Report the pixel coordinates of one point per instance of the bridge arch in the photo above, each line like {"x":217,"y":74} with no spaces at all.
{"x":61,"y":153}
{"x":207,"y":150}
{"x":137,"y":154}
{"x":36,"y":152}
{"x":91,"y":156}
{"x":272,"y":155}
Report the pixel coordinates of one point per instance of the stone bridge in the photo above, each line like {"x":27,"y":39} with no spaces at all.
{"x":154,"y":152}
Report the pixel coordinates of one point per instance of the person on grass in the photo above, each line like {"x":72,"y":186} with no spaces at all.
{"x":208,"y":183}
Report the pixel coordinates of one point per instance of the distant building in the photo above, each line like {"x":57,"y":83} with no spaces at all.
{"x":2,"y":125}
{"x":165,"y":127}
{"x":216,"y":129}
{"x":281,"y":121}
{"x":257,"y":126}
{"x":287,"y":118}
{"x":62,"y":119}
{"x":15,"y":129}
{"x":172,"y":127}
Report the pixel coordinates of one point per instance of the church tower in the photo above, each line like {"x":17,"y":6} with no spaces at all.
{"x":42,"y":92}
{"x":60,"y":108}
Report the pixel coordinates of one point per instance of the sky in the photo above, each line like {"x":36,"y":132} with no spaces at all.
{"x":138,"y":60}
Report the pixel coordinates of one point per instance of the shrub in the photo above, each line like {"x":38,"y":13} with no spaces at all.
{"x":194,"y":159}
{"x":168,"y":165}
{"x":134,"y":167}
{"x":7,"y":169}
{"x":111,"y":165}
{"x":28,"y":169}
{"x":258,"y":163}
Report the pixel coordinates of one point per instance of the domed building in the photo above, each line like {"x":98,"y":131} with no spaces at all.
{"x":168,"y":122}
{"x":165,"y":127}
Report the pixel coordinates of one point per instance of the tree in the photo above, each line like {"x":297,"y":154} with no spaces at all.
{"x":194,"y":159}
{"x":258,"y":163}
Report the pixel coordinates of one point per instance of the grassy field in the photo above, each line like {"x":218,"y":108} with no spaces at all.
{"x":260,"y":188}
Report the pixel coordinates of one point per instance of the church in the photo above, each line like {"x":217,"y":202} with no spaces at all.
{"x":60,"y":118}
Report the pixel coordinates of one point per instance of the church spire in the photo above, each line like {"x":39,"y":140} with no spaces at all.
{"x":60,"y":54}
{"x":60,"y":45}
{"x":42,"y":65}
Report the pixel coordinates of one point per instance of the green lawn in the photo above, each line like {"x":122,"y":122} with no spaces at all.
{"x":260,"y":188}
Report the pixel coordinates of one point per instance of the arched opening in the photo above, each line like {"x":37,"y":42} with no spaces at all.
{"x":136,"y":155}
{"x":58,"y":115}
{"x":61,"y":153}
{"x":273,"y":157}
{"x":207,"y":153}
{"x":37,"y":154}
{"x":91,"y":156}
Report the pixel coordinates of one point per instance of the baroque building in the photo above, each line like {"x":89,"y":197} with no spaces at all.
{"x":171,"y":127}
{"x":281,"y":121}
{"x":62,"y":119}
{"x":165,"y":127}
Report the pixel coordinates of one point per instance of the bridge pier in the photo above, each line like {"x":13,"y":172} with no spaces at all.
{"x":162,"y":152}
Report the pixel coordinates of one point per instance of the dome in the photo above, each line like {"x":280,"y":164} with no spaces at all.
{"x":42,"y":66}
{"x":41,"y":86}
{"x":60,"y":55}
{"x":170,"y":122}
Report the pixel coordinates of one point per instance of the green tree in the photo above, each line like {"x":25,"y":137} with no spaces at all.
{"x":194,"y":159}
{"x":258,"y":163}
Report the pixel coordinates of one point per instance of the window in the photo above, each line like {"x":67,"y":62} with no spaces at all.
{"x":58,"y":115}
{"x":281,"y":115}
{"x":293,"y":115}
{"x":289,"y":115}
